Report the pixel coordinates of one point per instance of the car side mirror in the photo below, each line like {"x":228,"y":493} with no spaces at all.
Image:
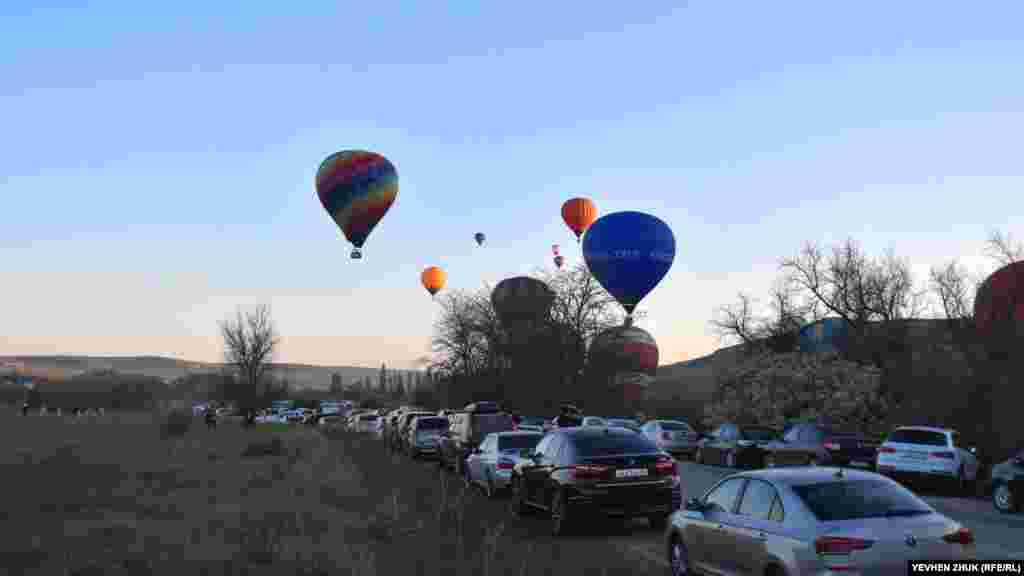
{"x":694,"y":505}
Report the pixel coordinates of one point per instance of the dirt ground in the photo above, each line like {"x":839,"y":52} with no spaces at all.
{"x":111,"y":496}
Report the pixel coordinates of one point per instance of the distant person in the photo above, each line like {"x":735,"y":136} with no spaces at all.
{"x":24,"y":409}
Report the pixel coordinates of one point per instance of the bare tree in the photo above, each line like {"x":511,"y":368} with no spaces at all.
{"x":952,"y":285}
{"x":1003,"y":248}
{"x":249,"y":343}
{"x":737,"y":322}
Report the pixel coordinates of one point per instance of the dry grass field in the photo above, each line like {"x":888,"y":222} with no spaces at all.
{"x":115,"y":496}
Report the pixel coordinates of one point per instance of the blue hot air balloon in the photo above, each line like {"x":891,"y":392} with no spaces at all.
{"x":629,"y":253}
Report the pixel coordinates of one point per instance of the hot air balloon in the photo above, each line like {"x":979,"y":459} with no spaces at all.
{"x":521,"y":300}
{"x":579,"y":214}
{"x":554,"y":249}
{"x":356,"y":188}
{"x":1000,"y":298}
{"x":559,"y":261}
{"x":433,"y":279}
{"x":629,"y":253}
{"x":479,"y":237}
{"x":623,"y":349}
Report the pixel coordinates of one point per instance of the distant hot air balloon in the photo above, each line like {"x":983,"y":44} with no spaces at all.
{"x":579,"y":214}
{"x":433,"y":279}
{"x":629,"y":253}
{"x":479,"y":237}
{"x":521,"y":300}
{"x":356,"y":188}
{"x":1000,"y":298}
{"x":623,"y":349}
{"x":554,"y":249}
{"x":559,"y":261}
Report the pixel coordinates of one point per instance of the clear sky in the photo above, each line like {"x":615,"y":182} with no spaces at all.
{"x":158,"y":161}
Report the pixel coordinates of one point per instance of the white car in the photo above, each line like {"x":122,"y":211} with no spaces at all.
{"x":923,"y":451}
{"x":367,"y":423}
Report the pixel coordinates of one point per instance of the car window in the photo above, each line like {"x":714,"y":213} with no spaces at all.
{"x":675,"y":426}
{"x":922,"y":437}
{"x":518,"y":442}
{"x":778,"y":513}
{"x":858,"y":499}
{"x":589,"y":445}
{"x":552,"y":450}
{"x":757,"y":500}
{"x":429,"y":423}
{"x":564,"y":454}
{"x":723,"y":497}
{"x":543,"y":444}
{"x":488,"y":444}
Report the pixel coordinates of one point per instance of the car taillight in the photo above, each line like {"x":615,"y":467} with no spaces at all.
{"x":589,"y":471}
{"x":505,"y":465}
{"x":944,"y":455}
{"x":887,"y":450}
{"x":961,"y":536}
{"x":840,"y":544}
{"x":832,"y":445}
{"x":665,"y":467}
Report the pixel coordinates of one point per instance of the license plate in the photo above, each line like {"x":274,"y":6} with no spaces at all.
{"x":631,"y":473}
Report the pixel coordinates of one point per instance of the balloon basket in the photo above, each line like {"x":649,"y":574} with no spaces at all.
{"x":356,"y":254}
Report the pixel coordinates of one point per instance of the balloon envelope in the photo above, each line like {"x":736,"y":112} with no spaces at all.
{"x":623,"y":349}
{"x":578,"y":214}
{"x":521,"y":299}
{"x":629,"y":253}
{"x":433,"y":279}
{"x":1000,"y":298}
{"x":479,"y":237}
{"x":356,"y":188}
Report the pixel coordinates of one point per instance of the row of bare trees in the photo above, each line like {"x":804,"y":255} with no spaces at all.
{"x":475,"y":358}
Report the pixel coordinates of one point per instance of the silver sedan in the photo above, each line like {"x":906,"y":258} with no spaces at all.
{"x":490,"y":465}
{"x":810,"y":521}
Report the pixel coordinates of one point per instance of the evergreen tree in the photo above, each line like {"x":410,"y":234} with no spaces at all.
{"x":383,"y":377}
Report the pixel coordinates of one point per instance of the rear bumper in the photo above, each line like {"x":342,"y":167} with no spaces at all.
{"x":626,"y":503}
{"x":924,"y":468}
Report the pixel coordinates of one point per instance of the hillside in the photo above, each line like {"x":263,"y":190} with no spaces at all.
{"x":303,"y":376}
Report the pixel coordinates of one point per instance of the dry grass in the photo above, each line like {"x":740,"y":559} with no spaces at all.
{"x":116,"y":495}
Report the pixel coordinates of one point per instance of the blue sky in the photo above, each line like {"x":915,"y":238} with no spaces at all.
{"x":158,"y":162}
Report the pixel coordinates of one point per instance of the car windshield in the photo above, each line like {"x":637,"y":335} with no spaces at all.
{"x":922,"y":437}
{"x":758,"y":434}
{"x":367,"y":417}
{"x":856,"y":499}
{"x":432,"y":423}
{"x":518,"y":441}
{"x":673,"y":426}
{"x":484,"y":424}
{"x":590,"y":445}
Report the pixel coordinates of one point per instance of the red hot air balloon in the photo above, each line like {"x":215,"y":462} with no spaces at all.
{"x":521,"y":300}
{"x":1000,"y":298}
{"x":579,"y":214}
{"x":624,"y":349}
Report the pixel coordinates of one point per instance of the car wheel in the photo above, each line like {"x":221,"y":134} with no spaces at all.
{"x":730,"y":459}
{"x":1003,"y":500}
{"x":658,"y":521}
{"x":678,"y":558}
{"x":560,"y":520}
{"x":769,"y":461}
{"x":519,"y":505}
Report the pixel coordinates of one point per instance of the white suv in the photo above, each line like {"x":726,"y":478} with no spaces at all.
{"x":928,"y":452}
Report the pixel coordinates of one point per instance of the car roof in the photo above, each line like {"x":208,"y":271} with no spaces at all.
{"x":516,"y":433}
{"x":925,"y":429}
{"x":802,"y":475}
{"x":592,"y":431}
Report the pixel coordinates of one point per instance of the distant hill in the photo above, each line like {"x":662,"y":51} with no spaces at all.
{"x":300,"y":375}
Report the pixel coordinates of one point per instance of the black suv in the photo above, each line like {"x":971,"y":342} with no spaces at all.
{"x":596,"y":471}
{"x":467,"y":430}
{"x":1007,"y":484}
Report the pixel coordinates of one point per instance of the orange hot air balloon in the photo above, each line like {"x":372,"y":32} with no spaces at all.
{"x":579,"y":214}
{"x":433,"y":279}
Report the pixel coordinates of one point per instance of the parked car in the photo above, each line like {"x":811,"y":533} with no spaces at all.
{"x":1006,"y":484}
{"x":926,"y":452}
{"x":628,"y":423}
{"x":810,"y":521}
{"x":736,"y":446}
{"x":490,"y":465}
{"x":401,"y":436}
{"x":581,"y":471}
{"x":424,"y":434}
{"x":814,"y":444}
{"x":673,"y":436}
{"x":594,"y":421}
{"x":367,"y":423}
{"x":466,"y":432}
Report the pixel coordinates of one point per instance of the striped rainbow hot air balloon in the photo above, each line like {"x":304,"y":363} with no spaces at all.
{"x":356,"y":188}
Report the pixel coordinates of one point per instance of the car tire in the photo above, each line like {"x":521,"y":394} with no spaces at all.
{"x":730,"y":459}
{"x":519,"y":506}
{"x":561,"y":521}
{"x":678,"y":558}
{"x":658,"y":521}
{"x":1003,"y":499}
